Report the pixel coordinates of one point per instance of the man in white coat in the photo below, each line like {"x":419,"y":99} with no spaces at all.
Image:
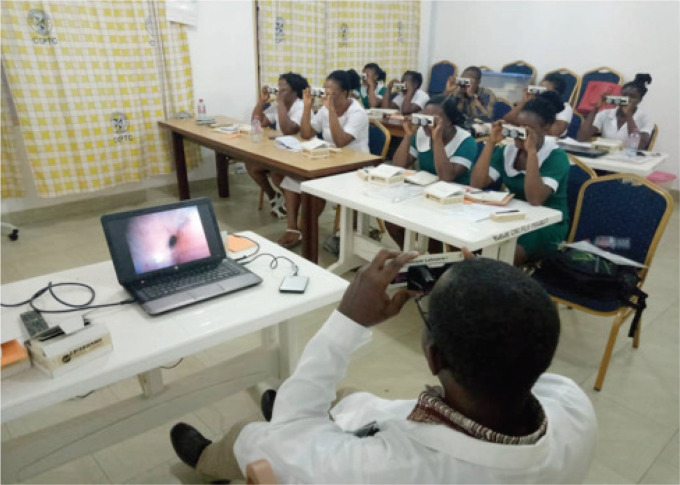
{"x":489,"y":334}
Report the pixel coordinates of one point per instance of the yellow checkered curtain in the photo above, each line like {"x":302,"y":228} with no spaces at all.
{"x":315,"y":38}
{"x":385,"y":32}
{"x":291,"y":38}
{"x":90,"y":80}
{"x":11,"y":180}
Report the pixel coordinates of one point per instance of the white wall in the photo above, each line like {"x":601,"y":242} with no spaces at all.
{"x":222,"y":48}
{"x":631,"y":37}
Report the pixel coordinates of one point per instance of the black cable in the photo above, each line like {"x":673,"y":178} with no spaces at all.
{"x":274,"y":262}
{"x":173,"y":365}
{"x":72,"y":307}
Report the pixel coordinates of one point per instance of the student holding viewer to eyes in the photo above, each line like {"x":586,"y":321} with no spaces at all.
{"x":444,"y":149}
{"x":474,"y":100}
{"x":373,"y":86}
{"x":284,"y":115}
{"x":341,"y":121}
{"x":617,"y":123}
{"x":552,"y":82}
{"x":535,"y":170}
{"x":412,"y":100}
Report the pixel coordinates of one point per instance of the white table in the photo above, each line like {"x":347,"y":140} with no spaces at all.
{"x":141,"y":344}
{"x":451,"y":224}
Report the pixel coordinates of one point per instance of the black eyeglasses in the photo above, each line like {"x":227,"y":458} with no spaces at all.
{"x":422,"y":309}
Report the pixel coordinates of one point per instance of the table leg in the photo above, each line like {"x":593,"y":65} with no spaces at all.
{"x":347,"y":259}
{"x":222,"y":166}
{"x":180,"y":166}
{"x":310,"y":227}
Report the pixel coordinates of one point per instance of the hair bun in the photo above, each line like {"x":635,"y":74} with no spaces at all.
{"x":642,"y":79}
{"x":553,"y":99}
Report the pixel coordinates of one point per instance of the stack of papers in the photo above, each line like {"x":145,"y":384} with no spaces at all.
{"x":489,"y":197}
{"x":421,"y":177}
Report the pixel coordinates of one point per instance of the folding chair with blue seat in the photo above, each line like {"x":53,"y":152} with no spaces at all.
{"x":571,"y":83}
{"x":500,"y":108}
{"x":574,"y":125}
{"x":622,"y":206}
{"x":579,"y":173}
{"x":439,"y":73}
{"x":599,"y":74}
{"x":521,"y":67}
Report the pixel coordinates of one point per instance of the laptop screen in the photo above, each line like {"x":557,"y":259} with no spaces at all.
{"x":164,"y":239}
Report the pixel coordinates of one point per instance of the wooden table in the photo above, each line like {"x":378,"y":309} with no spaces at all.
{"x":267,"y":155}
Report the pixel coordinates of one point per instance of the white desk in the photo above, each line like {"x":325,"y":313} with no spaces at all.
{"x":451,"y":224}
{"x":642,"y":166}
{"x":141,"y":344}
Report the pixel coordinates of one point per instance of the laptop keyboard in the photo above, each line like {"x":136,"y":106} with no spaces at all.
{"x":168,"y":285}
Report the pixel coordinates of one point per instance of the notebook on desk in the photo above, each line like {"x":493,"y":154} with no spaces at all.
{"x":582,"y":151}
{"x":171,"y":256}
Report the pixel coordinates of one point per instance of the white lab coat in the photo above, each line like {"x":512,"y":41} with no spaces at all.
{"x":304,"y":445}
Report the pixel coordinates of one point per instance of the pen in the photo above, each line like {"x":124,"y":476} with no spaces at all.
{"x":508,"y":211}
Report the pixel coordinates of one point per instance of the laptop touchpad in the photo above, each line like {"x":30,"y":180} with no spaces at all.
{"x":207,"y":291}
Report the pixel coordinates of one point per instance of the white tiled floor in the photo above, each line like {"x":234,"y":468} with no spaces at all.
{"x":637,"y":409}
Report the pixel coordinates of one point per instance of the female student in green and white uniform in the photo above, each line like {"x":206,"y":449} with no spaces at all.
{"x":535,"y":170}
{"x":445,"y":149}
{"x":373,"y":86}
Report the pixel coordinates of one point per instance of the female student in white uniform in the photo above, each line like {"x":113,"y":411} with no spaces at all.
{"x":412,"y":100}
{"x":552,"y":82}
{"x":284,"y":115}
{"x":616,"y":123}
{"x":373,"y":86}
{"x":342,"y":121}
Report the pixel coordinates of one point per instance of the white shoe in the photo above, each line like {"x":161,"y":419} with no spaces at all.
{"x":277,"y":206}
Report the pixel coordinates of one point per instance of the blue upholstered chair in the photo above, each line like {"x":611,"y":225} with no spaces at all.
{"x":579,"y":173}
{"x":574,"y":125}
{"x":599,"y":74}
{"x":521,"y":67}
{"x":622,"y":206}
{"x":572,"y":82}
{"x":500,"y":108}
{"x":439,"y":73}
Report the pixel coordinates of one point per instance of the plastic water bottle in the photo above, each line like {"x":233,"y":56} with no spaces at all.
{"x":256,"y":130}
{"x":632,"y":144}
{"x":612,"y":243}
{"x":200,"y":111}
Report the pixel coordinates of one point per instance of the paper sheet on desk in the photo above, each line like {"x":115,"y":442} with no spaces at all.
{"x":571,"y":142}
{"x":289,"y":143}
{"x":622,"y":157}
{"x":614,"y":258}
{"x":469,"y":212}
{"x":396,"y":193}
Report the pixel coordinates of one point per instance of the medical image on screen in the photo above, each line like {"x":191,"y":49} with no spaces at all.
{"x":165,"y":239}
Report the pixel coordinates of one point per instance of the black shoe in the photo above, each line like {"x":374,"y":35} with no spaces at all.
{"x":188,"y":443}
{"x":267,"y":403}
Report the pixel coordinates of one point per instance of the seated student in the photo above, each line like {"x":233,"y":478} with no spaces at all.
{"x":284,"y":115}
{"x":373,"y":86}
{"x":413,"y":98}
{"x":341,"y":121}
{"x":445,"y":150}
{"x":474,"y":100}
{"x":535,"y":170}
{"x":616,"y":123}
{"x":355,"y":84}
{"x":489,"y":333}
{"x":552,"y":82}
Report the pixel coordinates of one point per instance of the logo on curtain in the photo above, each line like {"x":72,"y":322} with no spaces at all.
{"x":279,"y":32}
{"x":120,"y":124}
{"x":400,"y":32}
{"x":343,"y":35}
{"x":41,"y":22}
